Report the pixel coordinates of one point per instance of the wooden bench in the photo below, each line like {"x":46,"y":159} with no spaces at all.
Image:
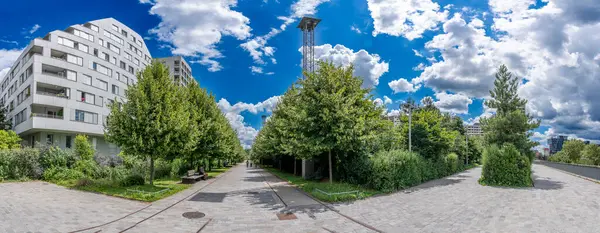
{"x":193,"y":177}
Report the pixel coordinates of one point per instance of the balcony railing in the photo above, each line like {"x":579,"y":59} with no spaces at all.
{"x":59,"y":74}
{"x":61,"y":95}
{"x":53,"y":116}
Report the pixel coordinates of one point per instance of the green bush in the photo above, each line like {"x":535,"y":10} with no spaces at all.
{"x":505,"y":167}
{"x":62,"y":174}
{"x":452,"y":163}
{"x":133,"y":180}
{"x":396,"y":169}
{"x":559,"y":157}
{"x":51,"y":156}
{"x":591,"y":155}
{"x":83,"y":149}
{"x":84,"y":182}
{"x":179,"y":167}
{"x":116,"y":174}
{"x":24,"y":163}
{"x":90,"y":168}
{"x":353,"y":169}
{"x":9,"y":140}
{"x":162,"y":169}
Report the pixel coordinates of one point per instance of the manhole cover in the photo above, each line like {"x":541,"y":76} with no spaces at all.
{"x":192,"y":215}
{"x":286,"y":216}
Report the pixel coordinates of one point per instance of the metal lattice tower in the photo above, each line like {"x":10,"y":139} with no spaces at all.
{"x":308,"y":25}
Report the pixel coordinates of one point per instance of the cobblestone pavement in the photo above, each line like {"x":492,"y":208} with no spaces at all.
{"x":43,"y":207}
{"x":241,"y":201}
{"x":558,"y":203}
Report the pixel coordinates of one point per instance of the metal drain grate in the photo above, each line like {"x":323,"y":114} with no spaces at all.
{"x":193,"y":215}
{"x":286,"y":216}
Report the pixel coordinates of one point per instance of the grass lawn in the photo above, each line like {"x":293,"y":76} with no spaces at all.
{"x":310,"y":187}
{"x":144,"y":192}
{"x":216,"y":171}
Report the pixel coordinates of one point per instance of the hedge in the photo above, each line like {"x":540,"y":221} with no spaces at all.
{"x":505,"y":167}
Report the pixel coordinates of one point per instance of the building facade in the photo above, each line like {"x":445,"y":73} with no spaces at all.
{"x":179,"y":69}
{"x":555,"y":144}
{"x":61,"y":84}
{"x":474,"y":130}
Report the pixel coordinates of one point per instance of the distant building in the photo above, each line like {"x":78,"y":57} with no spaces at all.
{"x":586,"y":142}
{"x":546,"y":152}
{"x":179,"y":69}
{"x":395,"y":119}
{"x":474,"y":130}
{"x":556,"y":143}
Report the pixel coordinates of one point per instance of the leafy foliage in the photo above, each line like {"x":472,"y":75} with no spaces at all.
{"x":83,"y":149}
{"x":573,"y":149}
{"x":9,"y":139}
{"x":396,"y":169}
{"x":132,"y":180}
{"x":505,"y":167}
{"x":591,"y":155}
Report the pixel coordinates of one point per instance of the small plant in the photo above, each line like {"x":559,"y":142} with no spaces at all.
{"x":505,"y":167}
{"x":133,"y":180}
{"x":84,"y":182}
{"x":83,"y":149}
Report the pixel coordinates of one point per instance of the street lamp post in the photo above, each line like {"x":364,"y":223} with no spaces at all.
{"x":467,"y":150}
{"x":410,"y":129}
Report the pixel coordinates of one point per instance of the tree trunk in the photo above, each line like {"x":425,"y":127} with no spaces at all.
{"x":330,"y":169}
{"x":295,"y":166}
{"x":151,"y":171}
{"x":209,"y":164}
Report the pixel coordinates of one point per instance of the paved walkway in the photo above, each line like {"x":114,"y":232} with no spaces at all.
{"x":558,"y":203}
{"x":249,"y":199}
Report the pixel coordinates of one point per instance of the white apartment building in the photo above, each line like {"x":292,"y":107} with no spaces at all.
{"x":179,"y":69}
{"x":474,"y":130}
{"x":61,"y":84}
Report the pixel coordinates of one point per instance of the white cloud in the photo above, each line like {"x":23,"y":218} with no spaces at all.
{"x":417,"y":53}
{"x":7,"y":59}
{"x":355,"y":29}
{"x":256,"y":70}
{"x":195,"y":27}
{"x":246,"y":133}
{"x":34,"y":28}
{"x":387,"y":100}
{"x":407,"y":18}
{"x":368,"y":66}
{"x":257,"y":46}
{"x":378,"y":102}
{"x":453,"y":103}
{"x":402,"y":85}
{"x":9,"y":41}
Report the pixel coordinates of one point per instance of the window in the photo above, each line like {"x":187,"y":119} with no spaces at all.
{"x":101,"y":42}
{"x":115,"y":27}
{"x":87,"y":79}
{"x":130,"y":69}
{"x":136,"y":61}
{"x":114,"y":48}
{"x":101,"y":84}
{"x":72,"y":75}
{"x":139,"y":42}
{"x":83,"y":48}
{"x":75,"y":59}
{"x":83,"y":35}
{"x":50,"y":139}
{"x":138,"y":52}
{"x":115,"y":89}
{"x":123,"y":32}
{"x":113,"y":37}
{"x":99,"y":101}
{"x":147,"y":58}
{"x":94,"y":28}
{"x":122,"y":65}
{"x":100,"y":68}
{"x":128,"y":56}
{"x":87,"y":117}
{"x":113,"y":60}
{"x":87,"y":97}
{"x":68,"y":145}
{"x":124,"y":79}
{"x":66,"y":42}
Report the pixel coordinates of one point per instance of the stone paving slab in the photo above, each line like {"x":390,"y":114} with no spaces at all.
{"x":558,"y":203}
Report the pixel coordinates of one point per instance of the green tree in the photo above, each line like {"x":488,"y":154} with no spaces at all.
{"x":155,"y":121}
{"x":573,"y":149}
{"x":510,"y":124}
{"x":591,"y":155}
{"x":83,"y":149}
{"x":339,"y":114}
{"x":5,"y":124}
{"x":9,"y":140}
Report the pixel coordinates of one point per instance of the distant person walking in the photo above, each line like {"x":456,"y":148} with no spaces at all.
{"x":247,"y":163}
{"x":250,"y":164}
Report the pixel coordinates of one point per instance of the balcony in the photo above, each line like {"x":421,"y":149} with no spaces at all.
{"x":47,"y":111}
{"x":59,"y":72}
{"x":53,"y":90}
{"x":58,"y":55}
{"x":35,"y":50}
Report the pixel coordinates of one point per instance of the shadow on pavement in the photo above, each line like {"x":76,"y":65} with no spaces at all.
{"x":546,"y":183}
{"x":254,"y":179}
{"x":436,"y":183}
{"x":208,"y":197}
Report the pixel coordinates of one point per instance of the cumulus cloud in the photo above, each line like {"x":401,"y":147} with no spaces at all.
{"x":195,"y":27}
{"x":257,"y":46}
{"x":407,"y":18}
{"x":402,"y":85}
{"x":368,"y":66}
{"x":387,"y":100}
{"x":453,"y":103}
{"x":7,"y":59}
{"x":245,"y":132}
{"x":34,"y":28}
{"x":378,"y":102}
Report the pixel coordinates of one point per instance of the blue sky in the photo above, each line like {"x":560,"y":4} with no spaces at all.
{"x":241,"y":52}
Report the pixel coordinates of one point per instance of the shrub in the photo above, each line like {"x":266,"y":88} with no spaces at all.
{"x":116,"y":174}
{"x":9,"y":140}
{"x":356,"y":169}
{"x":591,"y":155}
{"x":452,"y":163}
{"x":51,"y":156}
{"x":560,"y":157}
{"x":162,"y":169}
{"x":90,"y":168}
{"x":133,"y":180}
{"x":24,"y":163}
{"x":396,"y":169}
{"x":62,"y":174}
{"x":84,"y":182}
{"x":505,"y":167}
{"x":83,"y":149}
{"x":179,"y":167}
